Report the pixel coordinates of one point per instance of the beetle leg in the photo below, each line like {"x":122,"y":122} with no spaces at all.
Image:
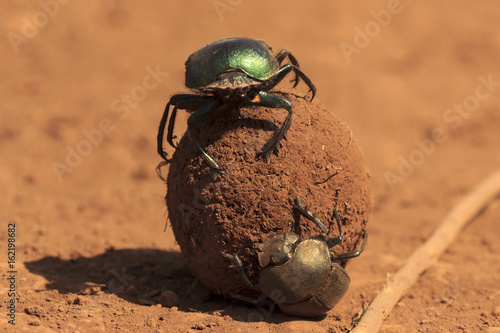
{"x":281,"y":56}
{"x":352,"y":254}
{"x":170,"y":131}
{"x":259,"y":302}
{"x":191,"y":104}
{"x":244,"y":298}
{"x":273,"y":101}
{"x":202,"y":113}
{"x":238,"y":265}
{"x":161,"y":131}
{"x":330,"y":242}
{"x":283,"y":71}
{"x":307,"y":214}
{"x":176,"y":101}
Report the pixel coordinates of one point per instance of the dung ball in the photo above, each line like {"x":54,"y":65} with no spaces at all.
{"x":218,"y":213}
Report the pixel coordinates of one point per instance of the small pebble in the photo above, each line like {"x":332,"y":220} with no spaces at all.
{"x":496,"y":311}
{"x":168,"y":298}
{"x":34,"y":311}
{"x":144,"y":301}
{"x":131,"y":291}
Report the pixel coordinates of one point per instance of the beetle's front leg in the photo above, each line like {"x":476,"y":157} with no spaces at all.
{"x":259,"y":302}
{"x":352,"y":254}
{"x":281,"y":56}
{"x":202,"y":113}
{"x":304,"y":211}
{"x":270,"y":100}
{"x":284,"y":71}
{"x":238,"y":265}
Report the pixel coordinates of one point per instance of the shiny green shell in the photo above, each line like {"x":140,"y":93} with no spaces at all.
{"x":250,"y":56}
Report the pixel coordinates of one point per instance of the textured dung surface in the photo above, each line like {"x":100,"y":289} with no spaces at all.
{"x":320,"y":163}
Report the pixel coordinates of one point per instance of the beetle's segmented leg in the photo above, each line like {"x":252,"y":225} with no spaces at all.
{"x":244,"y":298}
{"x":171,"y":123}
{"x":159,"y":167}
{"x":270,"y":100}
{"x":180,"y":101}
{"x":204,"y":155}
{"x":284,"y":71}
{"x":330,"y":242}
{"x":259,"y":302}
{"x":298,"y":206}
{"x":170,"y":131}
{"x":281,"y":56}
{"x":161,"y":131}
{"x":205,"y":110}
{"x":353,"y":254}
{"x":238,"y":265}
{"x":334,"y":241}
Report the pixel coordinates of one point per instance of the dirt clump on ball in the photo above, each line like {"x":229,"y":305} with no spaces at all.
{"x":320,"y":163}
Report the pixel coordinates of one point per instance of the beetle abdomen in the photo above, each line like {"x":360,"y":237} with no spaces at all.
{"x":325,"y":298}
{"x":300,"y":277}
{"x":334,"y":289}
{"x":233,"y":79}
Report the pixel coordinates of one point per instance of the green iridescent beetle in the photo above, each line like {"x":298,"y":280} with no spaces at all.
{"x":231,"y":73}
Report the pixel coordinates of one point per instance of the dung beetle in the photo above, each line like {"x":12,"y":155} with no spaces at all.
{"x":300,"y":275}
{"x":231,"y":73}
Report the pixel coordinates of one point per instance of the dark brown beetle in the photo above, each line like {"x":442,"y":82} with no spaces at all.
{"x":302,"y":276}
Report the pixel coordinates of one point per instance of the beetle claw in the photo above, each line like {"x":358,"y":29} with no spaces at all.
{"x":264,"y":155}
{"x":312,"y":95}
{"x":160,"y":166}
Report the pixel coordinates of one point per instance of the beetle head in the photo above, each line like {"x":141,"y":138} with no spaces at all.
{"x":277,"y":248}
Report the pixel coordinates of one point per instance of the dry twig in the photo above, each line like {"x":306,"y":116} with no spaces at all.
{"x":426,"y":256}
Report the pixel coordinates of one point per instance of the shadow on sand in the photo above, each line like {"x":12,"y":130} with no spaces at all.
{"x":139,"y":276}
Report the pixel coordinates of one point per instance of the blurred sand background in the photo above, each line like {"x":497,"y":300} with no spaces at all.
{"x":84,"y":86}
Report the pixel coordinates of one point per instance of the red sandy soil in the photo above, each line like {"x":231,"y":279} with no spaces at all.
{"x":91,"y":254}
